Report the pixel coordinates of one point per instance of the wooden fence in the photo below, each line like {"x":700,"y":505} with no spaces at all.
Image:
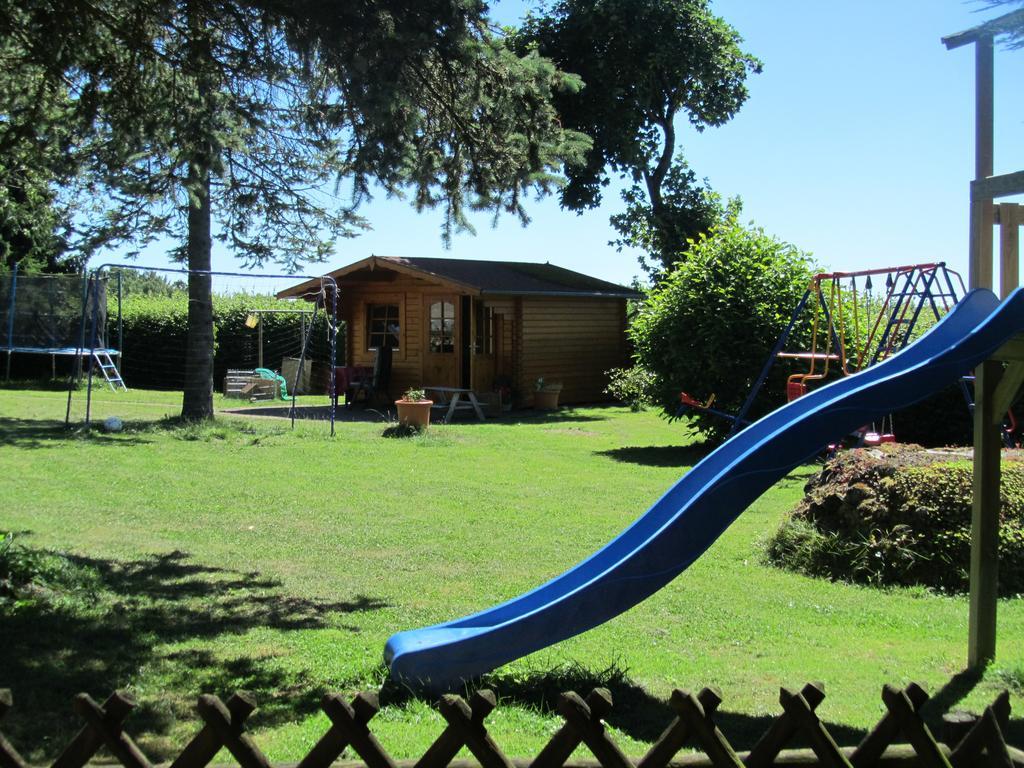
{"x":900,"y":738}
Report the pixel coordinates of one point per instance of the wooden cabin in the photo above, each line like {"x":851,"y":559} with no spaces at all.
{"x":478,"y":324}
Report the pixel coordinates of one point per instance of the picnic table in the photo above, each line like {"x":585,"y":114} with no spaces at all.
{"x":450,"y":400}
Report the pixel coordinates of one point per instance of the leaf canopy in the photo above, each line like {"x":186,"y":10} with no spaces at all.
{"x":296,"y":109}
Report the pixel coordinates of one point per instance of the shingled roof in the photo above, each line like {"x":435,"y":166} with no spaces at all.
{"x":488,"y":277}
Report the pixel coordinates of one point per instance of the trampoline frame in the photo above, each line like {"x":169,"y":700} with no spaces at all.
{"x":67,"y":351}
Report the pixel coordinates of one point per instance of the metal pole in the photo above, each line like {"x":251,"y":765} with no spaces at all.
{"x":120,"y":329}
{"x":740,"y":417}
{"x":10,"y":319}
{"x":332,"y":332}
{"x":259,"y":340}
{"x":302,"y":360}
{"x":78,"y":350}
{"x":92,"y":346}
{"x":926,"y":295}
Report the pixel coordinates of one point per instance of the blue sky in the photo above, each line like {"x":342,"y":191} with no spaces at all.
{"x":856,"y":144}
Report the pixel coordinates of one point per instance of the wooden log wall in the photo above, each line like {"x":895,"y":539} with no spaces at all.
{"x":900,"y":738}
{"x":504,"y":342}
{"x":407,"y":294}
{"x":573,"y":341}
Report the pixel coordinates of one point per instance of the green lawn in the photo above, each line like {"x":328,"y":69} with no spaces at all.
{"x":248,"y":556}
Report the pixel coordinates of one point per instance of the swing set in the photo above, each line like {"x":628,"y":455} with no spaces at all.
{"x":852,"y":328}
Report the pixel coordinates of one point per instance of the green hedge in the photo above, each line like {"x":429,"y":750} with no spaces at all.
{"x":155,"y":332}
{"x":899,"y":516}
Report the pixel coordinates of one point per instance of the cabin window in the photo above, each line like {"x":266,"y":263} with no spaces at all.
{"x":484,"y":342}
{"x":382,"y":326}
{"x":442,"y":326}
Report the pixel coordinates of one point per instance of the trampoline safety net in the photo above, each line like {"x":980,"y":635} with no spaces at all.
{"x":44,"y":312}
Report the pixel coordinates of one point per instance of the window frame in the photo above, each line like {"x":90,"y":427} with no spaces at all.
{"x":433,"y":302}
{"x":387,"y":305}
{"x":483,"y":338}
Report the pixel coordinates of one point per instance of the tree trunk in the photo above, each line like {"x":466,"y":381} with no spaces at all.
{"x":197,"y":403}
{"x":654,"y":179}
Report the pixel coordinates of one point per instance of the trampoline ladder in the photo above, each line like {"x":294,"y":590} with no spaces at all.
{"x":109,"y":371}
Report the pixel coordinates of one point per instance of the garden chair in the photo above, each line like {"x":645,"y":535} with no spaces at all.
{"x":367,"y":382}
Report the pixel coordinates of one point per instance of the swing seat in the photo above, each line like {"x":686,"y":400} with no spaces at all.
{"x":692,"y":402}
{"x":795,"y":389}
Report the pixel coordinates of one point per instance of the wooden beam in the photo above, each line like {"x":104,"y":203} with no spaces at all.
{"x":1011,"y":351}
{"x":981,"y":642}
{"x":1007,"y":391}
{"x":979,"y":270}
{"x":1008,"y":216}
{"x":1004,"y":185}
{"x":989,"y":29}
{"x":980,"y":263}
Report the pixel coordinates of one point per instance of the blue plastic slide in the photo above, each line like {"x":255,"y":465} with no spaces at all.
{"x":694,"y":512}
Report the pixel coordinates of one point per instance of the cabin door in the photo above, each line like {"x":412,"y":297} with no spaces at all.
{"x":441,"y":345}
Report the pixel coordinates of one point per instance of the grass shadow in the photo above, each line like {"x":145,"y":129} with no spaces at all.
{"x":59,"y":384}
{"x":31,"y":434}
{"x":307,"y":413}
{"x":956,"y":690}
{"x":115,"y":632}
{"x":565,"y":415}
{"x":659,"y":455}
{"x":635,"y":712}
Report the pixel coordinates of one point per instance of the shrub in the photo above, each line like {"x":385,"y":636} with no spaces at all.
{"x":632,"y":386}
{"x":899,"y":516}
{"x":710,"y":325}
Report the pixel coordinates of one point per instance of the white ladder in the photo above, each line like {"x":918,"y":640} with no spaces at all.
{"x":109,"y":370}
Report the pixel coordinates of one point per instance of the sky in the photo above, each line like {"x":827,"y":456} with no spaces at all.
{"x":856,"y":145}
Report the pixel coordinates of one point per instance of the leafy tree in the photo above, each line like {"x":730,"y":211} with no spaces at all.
{"x":29,"y":221}
{"x":643,"y":62}
{"x":135,"y":282}
{"x":710,"y":325}
{"x":253,"y":113}
{"x":33,"y":220}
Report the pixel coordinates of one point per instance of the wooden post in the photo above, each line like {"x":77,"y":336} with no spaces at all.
{"x":1009,"y":220}
{"x":259,"y":342}
{"x":981,"y":644}
{"x":518,"y":373}
{"x":982,"y":210}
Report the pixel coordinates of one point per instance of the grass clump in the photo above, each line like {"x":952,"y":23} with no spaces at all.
{"x":1012,"y":678}
{"x":898,"y":517}
{"x":31,"y":577}
{"x":399,"y":431}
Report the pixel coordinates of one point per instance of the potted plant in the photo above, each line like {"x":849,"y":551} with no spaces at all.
{"x":414,"y":409}
{"x":545,"y":395}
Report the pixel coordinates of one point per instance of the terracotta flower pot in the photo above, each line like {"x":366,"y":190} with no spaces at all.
{"x":546,"y":399}
{"x":414,"y":413}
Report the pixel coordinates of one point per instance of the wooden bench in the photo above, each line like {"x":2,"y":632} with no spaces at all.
{"x":248,"y":385}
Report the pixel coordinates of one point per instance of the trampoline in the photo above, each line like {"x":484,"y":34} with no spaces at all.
{"x":59,"y":316}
